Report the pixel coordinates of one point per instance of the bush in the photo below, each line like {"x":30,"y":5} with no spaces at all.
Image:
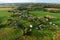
{"x":23,"y":23}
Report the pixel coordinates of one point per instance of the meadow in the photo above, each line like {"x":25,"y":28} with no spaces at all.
{"x":4,"y":14}
{"x":13,"y":34}
{"x":56,"y":16}
{"x":8,"y":33}
{"x":29,"y":22}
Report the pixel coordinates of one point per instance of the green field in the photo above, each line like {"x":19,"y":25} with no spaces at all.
{"x":56,"y":20}
{"x":5,"y":14}
{"x":29,"y":21}
{"x":8,"y":33}
{"x":13,"y":34}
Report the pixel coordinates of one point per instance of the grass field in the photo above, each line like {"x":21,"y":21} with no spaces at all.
{"x":13,"y":34}
{"x":56,"y":16}
{"x":8,"y":33}
{"x":5,"y":14}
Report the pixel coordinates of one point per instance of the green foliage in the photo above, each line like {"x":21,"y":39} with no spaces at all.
{"x":23,"y":23}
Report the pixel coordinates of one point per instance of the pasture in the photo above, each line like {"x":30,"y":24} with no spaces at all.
{"x":13,"y":34}
{"x":4,"y":14}
{"x":56,"y":16}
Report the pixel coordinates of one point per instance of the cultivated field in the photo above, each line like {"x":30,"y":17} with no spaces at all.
{"x":52,"y":8}
{"x":6,"y":8}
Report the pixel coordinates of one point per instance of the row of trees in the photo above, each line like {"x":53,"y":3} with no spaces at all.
{"x":38,"y":6}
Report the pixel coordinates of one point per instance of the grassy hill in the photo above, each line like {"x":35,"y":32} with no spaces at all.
{"x":9,"y":33}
